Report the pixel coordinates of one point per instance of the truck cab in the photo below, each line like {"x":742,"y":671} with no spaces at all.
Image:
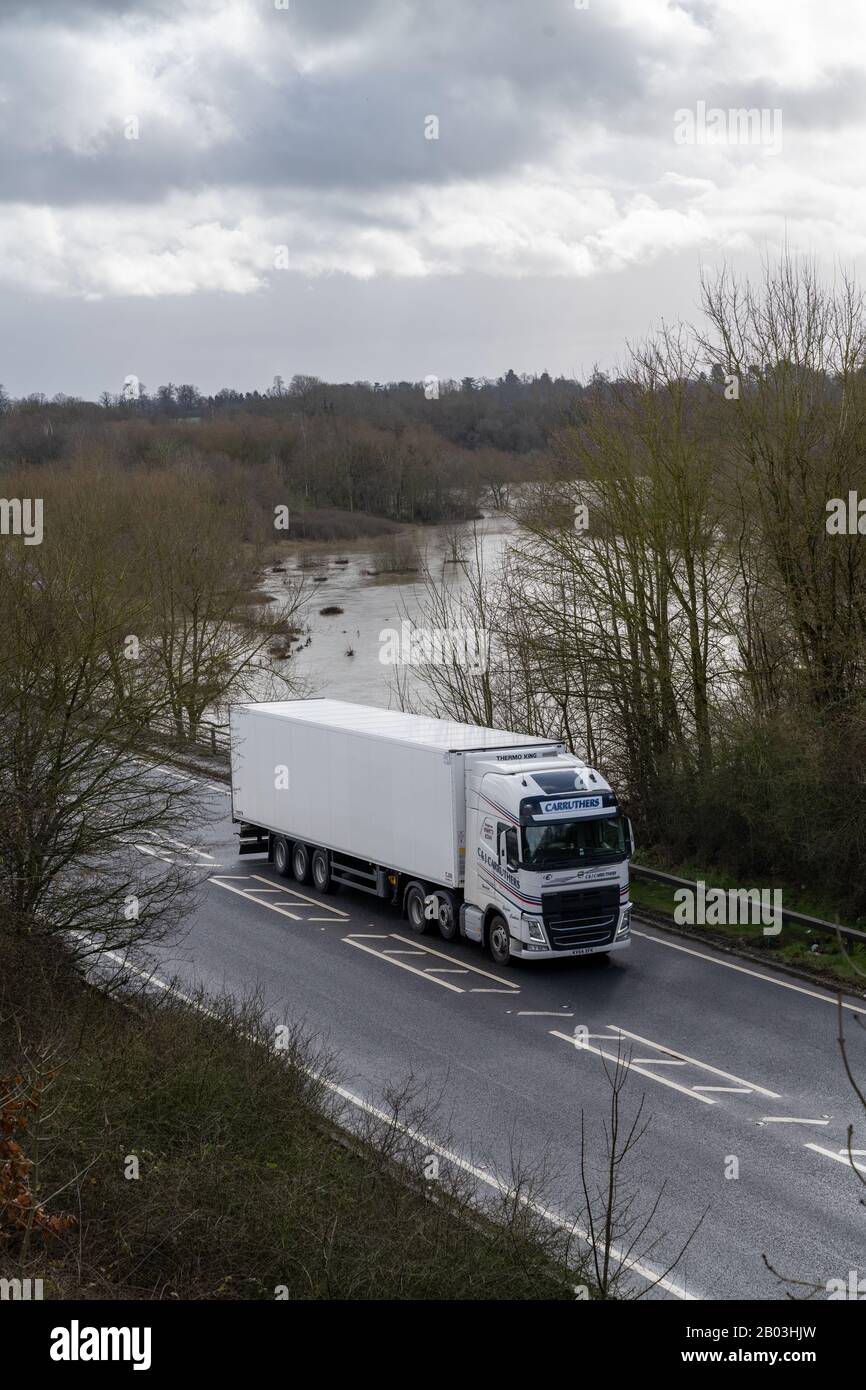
{"x":546,"y":864}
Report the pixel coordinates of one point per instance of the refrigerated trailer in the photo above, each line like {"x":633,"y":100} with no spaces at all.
{"x":505,"y":838}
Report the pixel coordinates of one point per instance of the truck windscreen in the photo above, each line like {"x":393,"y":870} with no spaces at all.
{"x":568,"y":844}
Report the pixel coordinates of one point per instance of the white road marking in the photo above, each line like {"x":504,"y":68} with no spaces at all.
{"x":705,"y":1066}
{"x":581,"y":1046}
{"x":290,"y":898}
{"x":837,"y":1158}
{"x":744,"y":970}
{"x":789,"y":1120}
{"x":402,"y":965}
{"x":735,"y":1090}
{"x":242,"y":893}
{"x":159,"y":845}
{"x":431,"y":972}
{"x":147,"y":849}
{"x":166,"y":839}
{"x":433,"y":1146}
{"x":323,"y":907}
{"x":542,"y":1013}
{"x":662,"y":1061}
{"x":476,"y":969}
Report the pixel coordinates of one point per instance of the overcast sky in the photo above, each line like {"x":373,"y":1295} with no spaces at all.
{"x":217,"y":191}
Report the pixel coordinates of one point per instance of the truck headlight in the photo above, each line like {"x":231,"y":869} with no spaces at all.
{"x":536,"y":930}
{"x":625,"y":924}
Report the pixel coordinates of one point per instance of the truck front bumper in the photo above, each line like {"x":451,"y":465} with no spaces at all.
{"x":533,"y":950}
{"x":522,"y":950}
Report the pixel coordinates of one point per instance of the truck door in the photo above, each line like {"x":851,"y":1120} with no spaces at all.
{"x":509,"y":850}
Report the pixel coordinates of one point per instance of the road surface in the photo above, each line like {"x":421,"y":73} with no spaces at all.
{"x":739,"y":1066}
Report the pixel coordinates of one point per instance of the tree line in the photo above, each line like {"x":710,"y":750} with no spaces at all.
{"x":675,"y":604}
{"x":404,"y":470}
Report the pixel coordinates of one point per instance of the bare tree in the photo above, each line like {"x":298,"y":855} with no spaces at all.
{"x":76,"y":799}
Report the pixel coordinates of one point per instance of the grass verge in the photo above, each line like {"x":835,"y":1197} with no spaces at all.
{"x":199,"y":1160}
{"x":815,"y":955}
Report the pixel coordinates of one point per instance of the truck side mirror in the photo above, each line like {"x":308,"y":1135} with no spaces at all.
{"x":629,"y":833}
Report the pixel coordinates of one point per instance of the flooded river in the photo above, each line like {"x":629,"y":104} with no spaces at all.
{"x":371,"y":604}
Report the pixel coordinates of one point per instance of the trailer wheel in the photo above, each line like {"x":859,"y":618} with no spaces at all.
{"x":301,"y":862}
{"x":449,"y":916}
{"x":414,"y":905}
{"x":282,"y":863}
{"x":499,"y":940}
{"x":321,"y":868}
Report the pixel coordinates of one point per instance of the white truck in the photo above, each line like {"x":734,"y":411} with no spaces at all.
{"x":504,"y":838}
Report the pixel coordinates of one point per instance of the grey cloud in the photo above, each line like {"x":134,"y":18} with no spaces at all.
{"x":506,"y":81}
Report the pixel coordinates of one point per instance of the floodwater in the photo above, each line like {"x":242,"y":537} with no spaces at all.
{"x":342,"y":659}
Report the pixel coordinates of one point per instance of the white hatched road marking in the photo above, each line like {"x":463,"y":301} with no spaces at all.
{"x":145,"y":849}
{"x":321,"y":907}
{"x":182,"y":776}
{"x":641,"y":1064}
{"x":253,"y":894}
{"x":841,"y":1157}
{"x":582,"y":1046}
{"x":164,"y":847}
{"x":401,"y":964}
{"x":431,"y":972}
{"x":705,"y":1066}
{"x":476,"y":969}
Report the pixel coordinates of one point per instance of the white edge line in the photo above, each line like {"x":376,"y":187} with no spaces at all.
{"x":744,"y":970}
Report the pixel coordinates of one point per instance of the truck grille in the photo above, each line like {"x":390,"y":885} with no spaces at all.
{"x":583,"y":917}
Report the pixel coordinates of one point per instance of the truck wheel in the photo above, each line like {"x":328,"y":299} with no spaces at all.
{"x":449,"y":916}
{"x":282,"y":863}
{"x":413,"y":904}
{"x":499,"y":940}
{"x":301,"y":863}
{"x":321,"y":868}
